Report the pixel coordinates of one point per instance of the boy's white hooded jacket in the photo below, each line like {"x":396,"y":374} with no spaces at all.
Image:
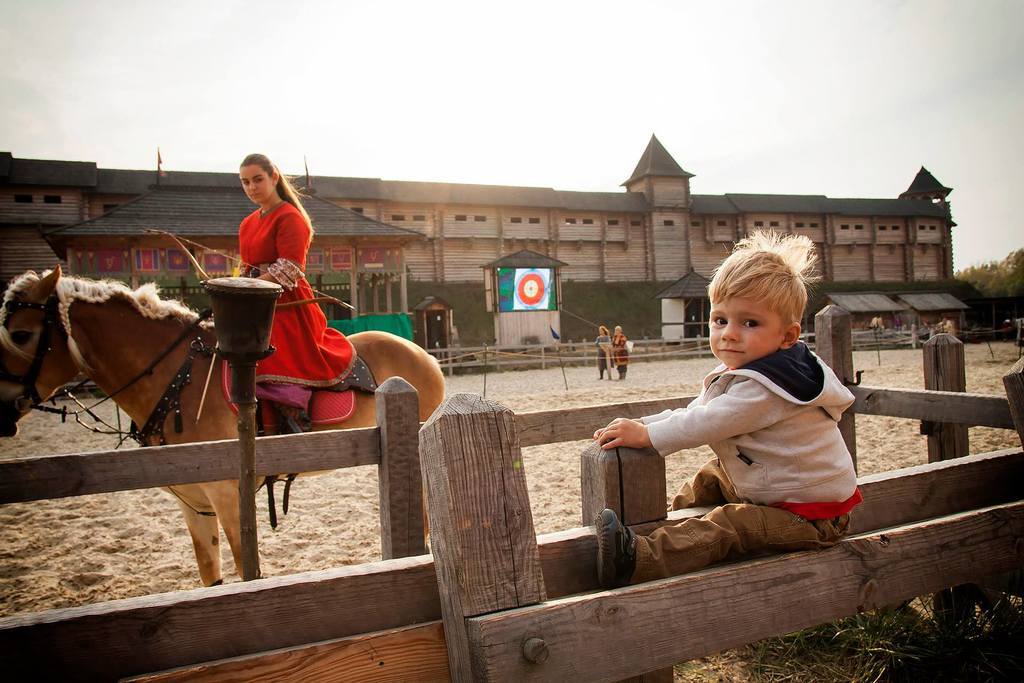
{"x":774,"y":426}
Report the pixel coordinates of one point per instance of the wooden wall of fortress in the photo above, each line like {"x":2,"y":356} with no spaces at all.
{"x":660,"y":245}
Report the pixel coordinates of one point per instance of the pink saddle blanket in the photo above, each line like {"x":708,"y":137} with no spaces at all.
{"x":325,"y":407}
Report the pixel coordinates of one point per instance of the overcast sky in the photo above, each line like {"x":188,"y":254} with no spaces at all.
{"x":846,"y":99}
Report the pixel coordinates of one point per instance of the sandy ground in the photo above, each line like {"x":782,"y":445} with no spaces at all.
{"x":77,"y":551}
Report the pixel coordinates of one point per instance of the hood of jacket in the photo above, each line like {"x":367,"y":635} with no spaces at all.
{"x":798,"y":375}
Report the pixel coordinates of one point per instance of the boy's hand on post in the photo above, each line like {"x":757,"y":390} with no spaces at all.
{"x":623,"y":432}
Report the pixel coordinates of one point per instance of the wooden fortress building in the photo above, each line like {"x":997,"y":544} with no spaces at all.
{"x":655,"y":230}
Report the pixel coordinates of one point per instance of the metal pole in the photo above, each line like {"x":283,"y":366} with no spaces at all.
{"x":243,"y":390}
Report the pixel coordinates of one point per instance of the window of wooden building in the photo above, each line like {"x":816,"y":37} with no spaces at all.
{"x":844,"y":226}
{"x":52,"y":199}
{"x":480,"y":219}
{"x":757,"y":224}
{"x":721,"y":224}
{"x":668,"y":222}
{"x":534,"y":220}
{"x":613,"y":221}
{"x":635,"y":223}
{"x":814,"y":225}
{"x":419,"y":217}
{"x":773,"y":224}
{"x":695,"y":224}
{"x":398,"y":216}
{"x":799,"y":225}
{"x":461,"y":217}
{"x":516,"y":219}
{"x":357,"y":209}
{"x":588,"y":221}
{"x":110,"y":207}
{"x":23,"y":198}
{"x":859,"y":226}
{"x":570,"y":221}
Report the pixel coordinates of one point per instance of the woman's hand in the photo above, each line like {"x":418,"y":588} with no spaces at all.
{"x":623,"y":432}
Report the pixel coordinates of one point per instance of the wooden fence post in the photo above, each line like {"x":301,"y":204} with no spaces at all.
{"x":400,"y":481}
{"x":481,"y":528}
{"x":1013,"y":382}
{"x":631,"y":482}
{"x":833,"y":336}
{"x":944,"y":371}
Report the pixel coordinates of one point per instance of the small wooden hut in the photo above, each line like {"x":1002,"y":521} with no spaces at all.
{"x":864,"y":307}
{"x":685,"y":307}
{"x":933,"y":308}
{"x":524,"y":291}
{"x":432,"y":323}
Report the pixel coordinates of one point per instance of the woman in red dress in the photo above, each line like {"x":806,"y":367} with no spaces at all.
{"x":273,"y":241}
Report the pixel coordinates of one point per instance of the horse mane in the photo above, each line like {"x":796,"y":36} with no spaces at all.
{"x":145,"y":300}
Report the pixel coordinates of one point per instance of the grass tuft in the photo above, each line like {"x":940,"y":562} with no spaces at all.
{"x":913,"y":642}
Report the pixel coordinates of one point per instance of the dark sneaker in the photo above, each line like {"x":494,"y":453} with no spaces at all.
{"x":616,"y":551}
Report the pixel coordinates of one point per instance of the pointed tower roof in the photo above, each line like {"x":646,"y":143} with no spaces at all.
{"x":658,"y":162}
{"x":926,"y":183}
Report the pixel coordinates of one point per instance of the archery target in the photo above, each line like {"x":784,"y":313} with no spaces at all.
{"x":532,"y":289}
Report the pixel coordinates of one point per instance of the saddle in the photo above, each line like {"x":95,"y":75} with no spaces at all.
{"x":327,"y":406}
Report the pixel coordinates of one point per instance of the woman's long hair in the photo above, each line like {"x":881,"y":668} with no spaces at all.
{"x":284,"y":187}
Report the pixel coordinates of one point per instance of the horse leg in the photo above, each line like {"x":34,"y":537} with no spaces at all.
{"x":202,"y":527}
{"x":223,"y":496}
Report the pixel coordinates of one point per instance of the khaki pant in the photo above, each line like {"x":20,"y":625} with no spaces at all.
{"x":732,"y":530}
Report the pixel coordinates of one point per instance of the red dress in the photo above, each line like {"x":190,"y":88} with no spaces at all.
{"x":308,"y":351}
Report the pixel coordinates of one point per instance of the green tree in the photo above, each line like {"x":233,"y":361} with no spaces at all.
{"x":998,"y":278}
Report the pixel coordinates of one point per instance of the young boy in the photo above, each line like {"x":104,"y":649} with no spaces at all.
{"x":782,"y":477}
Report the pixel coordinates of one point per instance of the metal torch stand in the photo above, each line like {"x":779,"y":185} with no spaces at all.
{"x":243,"y":394}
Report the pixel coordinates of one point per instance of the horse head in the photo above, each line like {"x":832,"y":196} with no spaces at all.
{"x":34,"y":357}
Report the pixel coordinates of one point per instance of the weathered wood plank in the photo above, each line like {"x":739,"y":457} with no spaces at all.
{"x":982,"y":410}
{"x":138,"y":635}
{"x":60,"y":476}
{"x":1013,"y":381}
{"x":395,"y":656}
{"x":401,"y":484}
{"x":627,"y":480}
{"x":555,"y":426}
{"x":481,"y":527}
{"x":596,"y":637}
{"x":834,"y":339}
{"x":944,"y":370}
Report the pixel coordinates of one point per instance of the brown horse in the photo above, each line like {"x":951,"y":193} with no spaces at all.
{"x":53,"y":327}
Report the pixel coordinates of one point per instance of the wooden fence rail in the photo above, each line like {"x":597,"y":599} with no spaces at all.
{"x":59,"y":476}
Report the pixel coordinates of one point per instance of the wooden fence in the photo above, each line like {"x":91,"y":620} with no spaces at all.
{"x":577,"y":353}
{"x":496,"y":602}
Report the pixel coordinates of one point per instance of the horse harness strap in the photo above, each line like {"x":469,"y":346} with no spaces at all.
{"x":28,"y":380}
{"x":171,"y":399}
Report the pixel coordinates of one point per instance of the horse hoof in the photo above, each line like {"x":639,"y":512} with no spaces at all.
{"x":218,"y":582}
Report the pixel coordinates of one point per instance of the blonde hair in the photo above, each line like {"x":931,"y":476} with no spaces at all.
{"x":771,"y":268}
{"x":284,"y":187}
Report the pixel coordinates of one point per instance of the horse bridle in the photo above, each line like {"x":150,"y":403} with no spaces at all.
{"x":170,"y":401}
{"x":28,"y":380}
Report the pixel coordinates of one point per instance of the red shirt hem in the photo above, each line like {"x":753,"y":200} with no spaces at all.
{"x":823,"y":510}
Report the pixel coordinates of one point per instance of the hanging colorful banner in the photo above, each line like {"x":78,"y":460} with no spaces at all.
{"x":379,"y":259}
{"x":341,"y":259}
{"x":111,"y":261}
{"x":315,"y":260}
{"x":177,"y":261}
{"x":526,"y":289}
{"x":147,"y":260}
{"x":215,"y":263}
